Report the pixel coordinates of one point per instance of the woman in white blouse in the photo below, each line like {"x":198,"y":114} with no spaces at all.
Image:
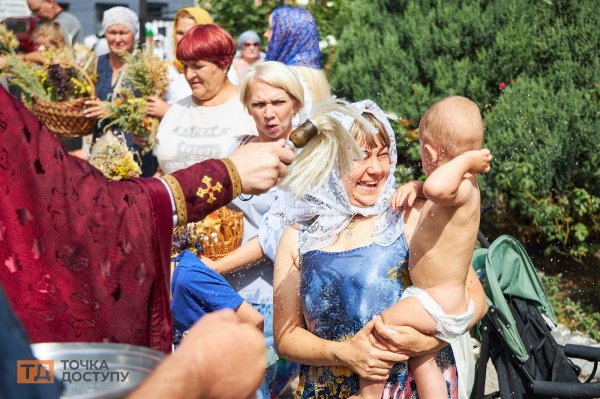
{"x":205,"y":124}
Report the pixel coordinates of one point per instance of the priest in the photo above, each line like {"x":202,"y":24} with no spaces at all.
{"x":86,"y":259}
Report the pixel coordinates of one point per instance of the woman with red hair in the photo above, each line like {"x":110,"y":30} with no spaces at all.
{"x":205,"y":124}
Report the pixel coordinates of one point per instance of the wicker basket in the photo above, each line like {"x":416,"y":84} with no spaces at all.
{"x":219,"y":233}
{"x":65,"y":118}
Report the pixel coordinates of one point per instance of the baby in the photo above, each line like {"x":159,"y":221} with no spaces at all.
{"x":451,"y":137}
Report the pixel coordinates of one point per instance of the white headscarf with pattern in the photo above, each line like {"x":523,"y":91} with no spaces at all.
{"x":120,"y":15}
{"x":325,"y":211}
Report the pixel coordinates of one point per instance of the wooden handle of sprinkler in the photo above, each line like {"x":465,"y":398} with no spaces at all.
{"x":301,"y":135}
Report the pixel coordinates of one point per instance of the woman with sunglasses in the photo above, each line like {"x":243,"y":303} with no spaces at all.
{"x":249,"y":45}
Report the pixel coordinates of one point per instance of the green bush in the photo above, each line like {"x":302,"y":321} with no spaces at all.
{"x":573,"y":314}
{"x":542,"y":128}
{"x":545,"y":174}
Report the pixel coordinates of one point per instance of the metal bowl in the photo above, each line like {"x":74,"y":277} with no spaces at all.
{"x":98,"y":370}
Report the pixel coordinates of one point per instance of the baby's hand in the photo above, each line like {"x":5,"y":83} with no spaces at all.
{"x":406,"y":194}
{"x":480,"y":160}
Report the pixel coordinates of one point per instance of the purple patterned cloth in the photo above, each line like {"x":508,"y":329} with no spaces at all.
{"x":295,"y":39}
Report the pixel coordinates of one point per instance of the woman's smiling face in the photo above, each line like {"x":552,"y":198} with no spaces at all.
{"x":120,"y":39}
{"x":368,"y":176}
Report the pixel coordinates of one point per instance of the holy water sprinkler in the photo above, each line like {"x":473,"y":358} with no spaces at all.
{"x":301,"y":135}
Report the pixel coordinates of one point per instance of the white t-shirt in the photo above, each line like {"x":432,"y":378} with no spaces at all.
{"x":190,"y":133}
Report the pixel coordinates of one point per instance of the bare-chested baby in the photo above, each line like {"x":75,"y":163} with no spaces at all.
{"x":451,"y":140}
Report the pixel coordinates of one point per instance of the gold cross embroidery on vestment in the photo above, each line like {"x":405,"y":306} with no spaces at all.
{"x":210,"y":190}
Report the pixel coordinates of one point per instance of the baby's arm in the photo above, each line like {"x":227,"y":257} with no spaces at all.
{"x":447,"y":186}
{"x":406,"y":194}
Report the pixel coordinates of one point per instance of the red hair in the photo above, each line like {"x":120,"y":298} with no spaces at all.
{"x":209,"y":43}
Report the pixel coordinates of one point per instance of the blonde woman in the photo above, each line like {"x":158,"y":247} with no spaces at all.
{"x":272,"y":94}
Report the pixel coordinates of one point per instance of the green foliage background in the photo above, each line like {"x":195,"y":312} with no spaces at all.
{"x":542,"y":127}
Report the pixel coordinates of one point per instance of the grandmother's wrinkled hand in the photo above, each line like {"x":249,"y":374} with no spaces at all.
{"x":96,"y":109}
{"x":156,"y":106}
{"x":140,"y":141}
{"x":366,"y":360}
{"x":261,"y":165}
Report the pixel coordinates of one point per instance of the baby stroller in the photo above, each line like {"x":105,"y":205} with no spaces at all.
{"x":515,"y":332}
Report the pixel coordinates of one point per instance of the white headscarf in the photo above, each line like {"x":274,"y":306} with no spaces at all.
{"x":120,"y":15}
{"x":331,"y":206}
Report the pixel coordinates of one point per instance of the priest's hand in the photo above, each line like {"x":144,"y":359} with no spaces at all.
{"x":261,"y":165}
{"x":219,"y":358}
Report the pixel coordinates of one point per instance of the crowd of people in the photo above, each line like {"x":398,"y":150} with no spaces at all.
{"x":362,"y":286}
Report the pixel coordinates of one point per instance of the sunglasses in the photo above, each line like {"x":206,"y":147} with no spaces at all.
{"x":250,"y":45}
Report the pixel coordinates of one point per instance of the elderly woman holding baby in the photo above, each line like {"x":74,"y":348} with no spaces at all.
{"x":343,"y":262}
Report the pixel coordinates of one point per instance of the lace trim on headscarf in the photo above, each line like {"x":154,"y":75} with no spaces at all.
{"x":325,"y":211}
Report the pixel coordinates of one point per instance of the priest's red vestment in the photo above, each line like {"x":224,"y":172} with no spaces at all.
{"x":83,"y":258}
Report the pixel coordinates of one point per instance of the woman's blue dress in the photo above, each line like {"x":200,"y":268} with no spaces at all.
{"x":340,"y":292}
{"x":104,"y":90}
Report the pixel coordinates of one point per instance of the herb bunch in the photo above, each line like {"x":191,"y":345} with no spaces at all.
{"x":146,"y":75}
{"x":60,"y":78}
{"x":113,"y":158}
{"x":27,"y":77}
{"x":8,"y":41}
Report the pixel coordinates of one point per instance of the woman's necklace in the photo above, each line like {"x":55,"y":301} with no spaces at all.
{"x":351,"y":225}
